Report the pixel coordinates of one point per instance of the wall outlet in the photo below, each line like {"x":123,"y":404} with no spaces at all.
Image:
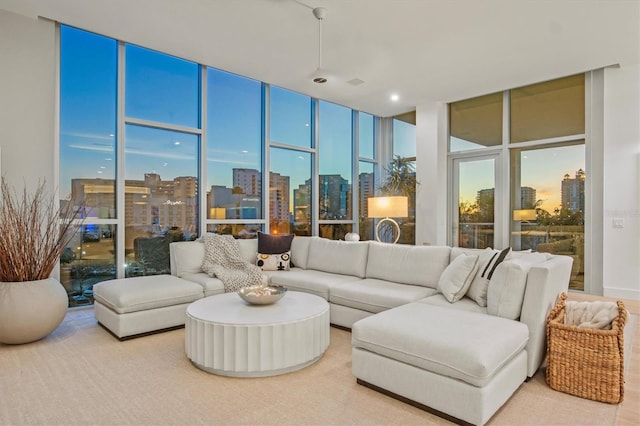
{"x":617,"y":222}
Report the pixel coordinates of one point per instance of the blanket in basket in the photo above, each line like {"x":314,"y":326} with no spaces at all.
{"x":222,"y":259}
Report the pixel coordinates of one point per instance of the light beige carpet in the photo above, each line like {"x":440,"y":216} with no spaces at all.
{"x":82,"y":375}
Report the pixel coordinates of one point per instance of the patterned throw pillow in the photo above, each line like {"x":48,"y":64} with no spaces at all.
{"x":274,"y":262}
{"x":489,"y":261}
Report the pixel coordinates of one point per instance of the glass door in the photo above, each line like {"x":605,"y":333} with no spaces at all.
{"x":474,"y":196}
{"x":548,"y":202}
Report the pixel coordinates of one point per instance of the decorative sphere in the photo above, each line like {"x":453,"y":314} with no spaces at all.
{"x":352,"y":236}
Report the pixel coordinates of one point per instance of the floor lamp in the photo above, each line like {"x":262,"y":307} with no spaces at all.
{"x":386,"y":208}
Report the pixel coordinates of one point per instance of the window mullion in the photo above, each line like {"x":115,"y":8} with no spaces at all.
{"x":120,"y":178}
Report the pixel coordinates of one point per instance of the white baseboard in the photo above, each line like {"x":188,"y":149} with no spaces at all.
{"x":622,"y":293}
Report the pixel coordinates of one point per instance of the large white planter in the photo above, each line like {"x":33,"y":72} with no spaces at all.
{"x":31,"y":310}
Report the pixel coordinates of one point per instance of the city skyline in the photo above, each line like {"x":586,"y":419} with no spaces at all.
{"x":542,"y":169}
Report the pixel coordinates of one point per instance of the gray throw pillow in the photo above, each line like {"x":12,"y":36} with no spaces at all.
{"x":274,"y":244}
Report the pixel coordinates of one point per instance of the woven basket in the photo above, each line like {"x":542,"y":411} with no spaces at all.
{"x":585,"y":362}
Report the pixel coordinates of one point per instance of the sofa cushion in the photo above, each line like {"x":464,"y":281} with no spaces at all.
{"x":507,"y":285}
{"x":126,"y":295}
{"x":487,"y":264}
{"x":456,"y":278}
{"x":339,"y":257}
{"x":309,"y":281}
{"x":210,"y":285}
{"x":187,"y":257}
{"x":300,"y":251}
{"x":468,"y":346}
{"x":373,"y":295}
{"x":407,"y":264}
{"x":248,"y":249}
{"x":463,"y":304}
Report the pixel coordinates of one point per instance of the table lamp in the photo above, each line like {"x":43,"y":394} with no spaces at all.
{"x":386,"y":208}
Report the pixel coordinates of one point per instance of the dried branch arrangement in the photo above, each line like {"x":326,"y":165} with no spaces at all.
{"x":33,"y":233}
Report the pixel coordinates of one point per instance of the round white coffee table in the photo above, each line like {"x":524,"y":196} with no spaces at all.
{"x":225,"y":335}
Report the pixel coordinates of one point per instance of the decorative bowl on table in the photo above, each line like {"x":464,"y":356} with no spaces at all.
{"x":262,"y":294}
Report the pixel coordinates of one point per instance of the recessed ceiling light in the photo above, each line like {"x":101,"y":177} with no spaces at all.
{"x":395,"y":97}
{"x":244,"y":151}
{"x":176,"y":143}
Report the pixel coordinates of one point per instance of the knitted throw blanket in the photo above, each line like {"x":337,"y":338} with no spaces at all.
{"x":222,"y":259}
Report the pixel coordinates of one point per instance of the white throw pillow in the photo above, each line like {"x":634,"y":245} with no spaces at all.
{"x":508,"y":284}
{"x":274,"y":262}
{"x":456,"y":278}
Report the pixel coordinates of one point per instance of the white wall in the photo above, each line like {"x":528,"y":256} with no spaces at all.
{"x":27,"y":100}
{"x":621,"y":246}
{"x":431,"y":173}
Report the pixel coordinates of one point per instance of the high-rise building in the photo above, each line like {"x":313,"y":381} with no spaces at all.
{"x":485,"y":199}
{"x":334,"y":193}
{"x":367,"y":190}
{"x":573,"y":192}
{"x":527,"y":197}
{"x":279,"y":197}
{"x":248,"y":180}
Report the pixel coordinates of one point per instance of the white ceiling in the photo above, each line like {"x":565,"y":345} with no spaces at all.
{"x":423,"y":50}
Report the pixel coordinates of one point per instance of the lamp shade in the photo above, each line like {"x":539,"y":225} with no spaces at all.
{"x":525,"y":214}
{"x":396,"y":206}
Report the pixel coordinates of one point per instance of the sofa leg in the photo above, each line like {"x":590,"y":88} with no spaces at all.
{"x":413,"y":403}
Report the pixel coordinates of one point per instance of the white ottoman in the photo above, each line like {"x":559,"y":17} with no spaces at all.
{"x":458,"y":363}
{"x":129,"y":307}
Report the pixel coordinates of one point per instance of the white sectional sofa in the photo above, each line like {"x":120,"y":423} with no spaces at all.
{"x":459,"y":359}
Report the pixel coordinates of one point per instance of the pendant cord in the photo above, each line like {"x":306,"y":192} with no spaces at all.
{"x":319,"y":43}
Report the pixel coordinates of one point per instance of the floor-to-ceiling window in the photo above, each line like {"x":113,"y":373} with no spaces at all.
{"x":335,"y":160}
{"x":161,"y":145}
{"x":88,"y":127}
{"x":400,"y":175}
{"x":518,"y":164}
{"x":291,"y":157}
{"x":475,"y":124}
{"x":234,"y":190}
{"x":367,"y":165}
{"x":161,"y":149}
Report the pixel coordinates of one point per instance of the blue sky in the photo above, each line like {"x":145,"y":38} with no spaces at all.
{"x":165,"y":89}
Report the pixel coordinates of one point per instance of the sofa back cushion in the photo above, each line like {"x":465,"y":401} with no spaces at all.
{"x":186,"y":257}
{"x":507,"y":285}
{"x":300,"y":251}
{"x":248,"y":249}
{"x":340,"y":257}
{"x":407,"y":264}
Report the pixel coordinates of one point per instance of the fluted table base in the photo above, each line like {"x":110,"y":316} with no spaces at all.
{"x":227,"y":336}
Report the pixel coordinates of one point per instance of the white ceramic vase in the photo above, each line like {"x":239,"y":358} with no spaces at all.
{"x":31,"y":310}
{"x":352,"y":236}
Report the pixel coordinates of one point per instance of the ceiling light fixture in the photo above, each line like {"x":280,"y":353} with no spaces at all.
{"x":319,"y":13}
{"x":395,"y":97}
